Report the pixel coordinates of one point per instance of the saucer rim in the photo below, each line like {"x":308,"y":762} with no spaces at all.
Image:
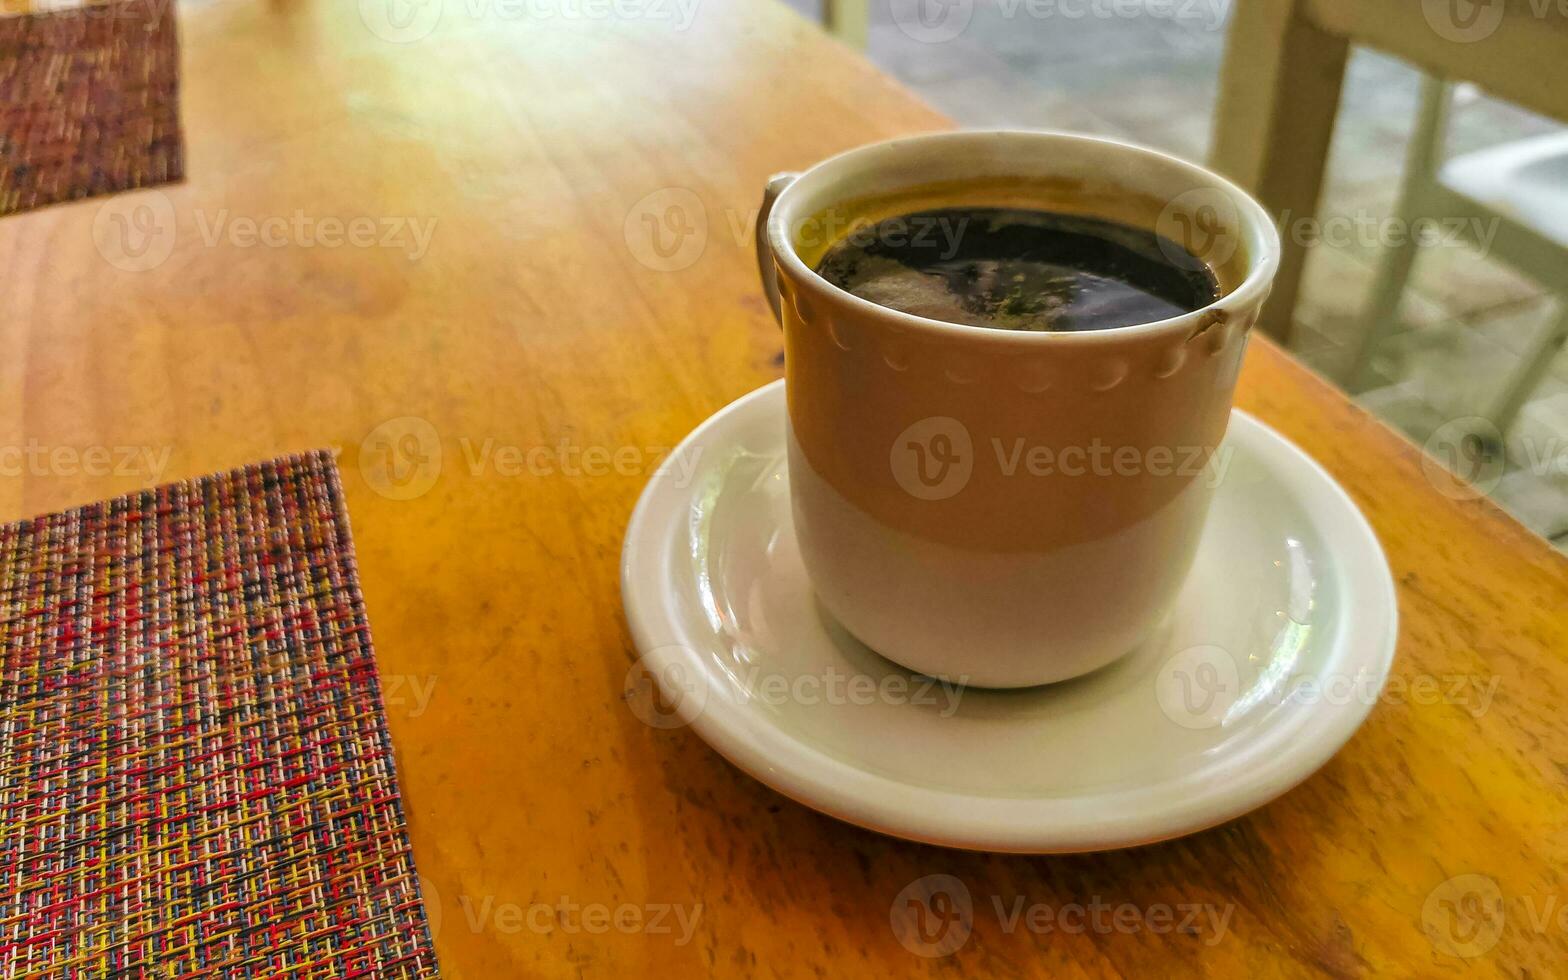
{"x":1366,"y":638}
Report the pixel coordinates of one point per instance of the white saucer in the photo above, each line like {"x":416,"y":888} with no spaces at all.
{"x":1278,"y":648}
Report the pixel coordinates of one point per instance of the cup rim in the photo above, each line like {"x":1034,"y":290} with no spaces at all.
{"x":1255,"y":224}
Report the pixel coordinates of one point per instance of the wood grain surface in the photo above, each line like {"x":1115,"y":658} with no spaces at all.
{"x":480,"y":383}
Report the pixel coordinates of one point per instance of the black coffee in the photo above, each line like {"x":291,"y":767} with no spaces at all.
{"x":1019,"y":269}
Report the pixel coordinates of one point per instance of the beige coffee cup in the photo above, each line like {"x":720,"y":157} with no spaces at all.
{"x":999,"y":507}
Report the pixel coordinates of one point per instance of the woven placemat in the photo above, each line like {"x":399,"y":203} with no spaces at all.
{"x":89,"y":102}
{"x":195,"y":774}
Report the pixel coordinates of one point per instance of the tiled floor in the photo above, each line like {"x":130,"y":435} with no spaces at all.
{"x":1149,"y":73}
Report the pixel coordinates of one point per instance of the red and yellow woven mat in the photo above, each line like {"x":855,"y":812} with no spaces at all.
{"x":195,"y":774}
{"x":89,"y":102}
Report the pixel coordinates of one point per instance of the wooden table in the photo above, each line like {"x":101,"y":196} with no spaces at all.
{"x":541,"y":315}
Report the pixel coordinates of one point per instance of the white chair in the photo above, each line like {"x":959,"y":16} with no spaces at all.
{"x":1521,"y":189}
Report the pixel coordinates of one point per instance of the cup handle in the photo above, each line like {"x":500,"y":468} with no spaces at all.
{"x":765,"y":267}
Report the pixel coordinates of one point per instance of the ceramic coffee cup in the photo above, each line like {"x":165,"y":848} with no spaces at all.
{"x":999,"y":507}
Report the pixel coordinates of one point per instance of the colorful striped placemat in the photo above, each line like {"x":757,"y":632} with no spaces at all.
{"x":89,"y":102}
{"x":196,"y":778}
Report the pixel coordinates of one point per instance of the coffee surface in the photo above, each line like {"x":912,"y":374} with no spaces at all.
{"x":1019,"y":269}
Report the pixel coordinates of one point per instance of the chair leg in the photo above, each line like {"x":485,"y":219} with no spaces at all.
{"x":1422,"y":160}
{"x":1380,"y":318}
{"x":1279,"y":93}
{"x":848,"y":20}
{"x":1533,"y":366}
